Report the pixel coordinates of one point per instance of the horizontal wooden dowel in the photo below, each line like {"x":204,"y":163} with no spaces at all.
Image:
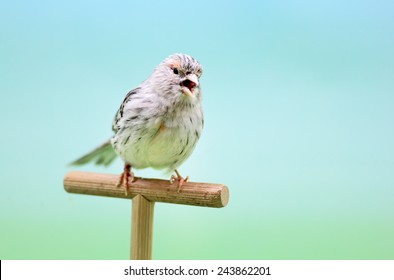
{"x":192,"y":193}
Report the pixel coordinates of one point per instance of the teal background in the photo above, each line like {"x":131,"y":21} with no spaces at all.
{"x":298,"y":102}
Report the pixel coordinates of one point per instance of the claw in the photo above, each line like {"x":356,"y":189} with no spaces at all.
{"x":125,"y":177}
{"x":180,"y":180}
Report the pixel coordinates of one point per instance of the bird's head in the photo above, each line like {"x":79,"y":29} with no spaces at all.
{"x":179,"y":74}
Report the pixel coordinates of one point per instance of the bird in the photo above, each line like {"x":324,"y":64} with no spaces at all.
{"x":158,"y":123}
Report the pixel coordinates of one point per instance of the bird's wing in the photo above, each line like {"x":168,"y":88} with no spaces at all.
{"x":119,"y":113}
{"x":105,"y":153}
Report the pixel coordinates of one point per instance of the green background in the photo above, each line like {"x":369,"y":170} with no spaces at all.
{"x":299,"y":112}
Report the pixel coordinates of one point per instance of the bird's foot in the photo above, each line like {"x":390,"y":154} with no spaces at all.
{"x":124,"y":178}
{"x":178,"y":178}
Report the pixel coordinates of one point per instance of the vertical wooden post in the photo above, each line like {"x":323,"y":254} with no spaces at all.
{"x":141,"y":228}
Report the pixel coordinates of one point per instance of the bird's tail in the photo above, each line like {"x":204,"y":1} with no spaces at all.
{"x":102,"y":155}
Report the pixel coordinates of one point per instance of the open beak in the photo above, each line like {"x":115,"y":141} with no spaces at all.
{"x":188,"y":84}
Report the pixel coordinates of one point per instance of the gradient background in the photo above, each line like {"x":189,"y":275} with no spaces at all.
{"x":299,"y":110}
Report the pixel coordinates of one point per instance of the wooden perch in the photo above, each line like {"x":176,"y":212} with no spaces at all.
{"x":199,"y":194}
{"x":144,"y":193}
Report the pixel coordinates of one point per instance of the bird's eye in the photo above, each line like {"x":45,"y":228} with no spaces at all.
{"x":175,"y":71}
